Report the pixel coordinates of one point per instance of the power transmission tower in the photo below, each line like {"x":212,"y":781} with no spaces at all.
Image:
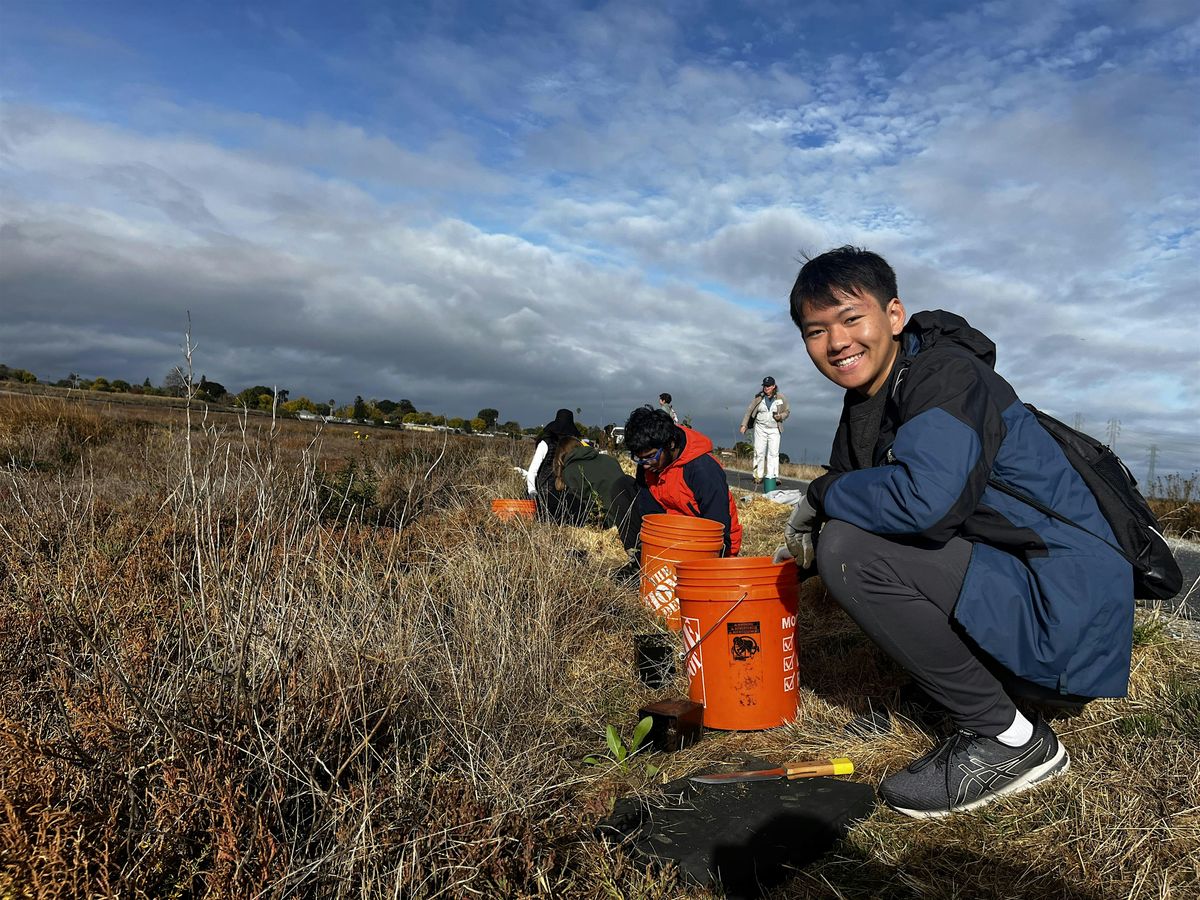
{"x":1078,"y":421}
{"x":1150,"y":472}
{"x":1114,"y":429}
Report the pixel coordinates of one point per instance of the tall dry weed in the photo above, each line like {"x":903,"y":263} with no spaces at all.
{"x":240,"y":684}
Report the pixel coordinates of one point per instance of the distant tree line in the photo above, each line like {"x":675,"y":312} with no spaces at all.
{"x":278,"y":400}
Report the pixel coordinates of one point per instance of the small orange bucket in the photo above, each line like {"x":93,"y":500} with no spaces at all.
{"x":739,"y":635}
{"x":506,"y":510}
{"x":664,"y":545}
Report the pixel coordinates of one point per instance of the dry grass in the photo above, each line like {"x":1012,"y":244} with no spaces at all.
{"x":786,"y":470}
{"x":255,"y":660}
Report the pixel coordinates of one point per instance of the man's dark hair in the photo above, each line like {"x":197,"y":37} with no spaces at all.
{"x":824,"y":279}
{"x":649,"y":429}
{"x":665,"y":398}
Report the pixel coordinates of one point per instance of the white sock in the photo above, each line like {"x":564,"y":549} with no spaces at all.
{"x":1018,"y":733}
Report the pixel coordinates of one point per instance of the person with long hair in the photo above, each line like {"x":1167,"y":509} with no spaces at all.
{"x":594,"y":480}
{"x":552,"y":504}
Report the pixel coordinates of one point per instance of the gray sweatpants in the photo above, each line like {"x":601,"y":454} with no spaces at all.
{"x":902,"y":594}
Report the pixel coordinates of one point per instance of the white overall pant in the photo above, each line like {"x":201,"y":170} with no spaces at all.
{"x":766,"y":452}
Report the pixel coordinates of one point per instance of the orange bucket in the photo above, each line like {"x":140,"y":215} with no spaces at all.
{"x":506,"y":510}
{"x":663,"y":548}
{"x":684,"y":524}
{"x":739,"y":635}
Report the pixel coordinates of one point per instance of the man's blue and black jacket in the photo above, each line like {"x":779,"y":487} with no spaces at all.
{"x":1050,"y":602}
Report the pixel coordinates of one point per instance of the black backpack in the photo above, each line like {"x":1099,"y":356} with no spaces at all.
{"x":1156,"y":575}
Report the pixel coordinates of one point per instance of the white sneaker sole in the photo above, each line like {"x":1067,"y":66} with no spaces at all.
{"x":1056,"y":765}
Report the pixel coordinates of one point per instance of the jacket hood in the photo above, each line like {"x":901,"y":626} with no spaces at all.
{"x":582,"y":453}
{"x":697,"y":445}
{"x":944,"y":329}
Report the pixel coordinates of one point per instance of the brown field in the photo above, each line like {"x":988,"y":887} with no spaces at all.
{"x":246,"y":658}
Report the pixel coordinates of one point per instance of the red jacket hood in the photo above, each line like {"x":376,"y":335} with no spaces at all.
{"x":697,"y":445}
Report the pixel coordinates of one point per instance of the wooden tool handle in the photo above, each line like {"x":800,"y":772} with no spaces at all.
{"x":839,"y":766}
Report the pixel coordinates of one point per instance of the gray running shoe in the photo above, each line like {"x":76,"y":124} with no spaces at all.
{"x":967,"y":771}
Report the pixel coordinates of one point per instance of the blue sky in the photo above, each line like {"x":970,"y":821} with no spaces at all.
{"x":533,"y":205}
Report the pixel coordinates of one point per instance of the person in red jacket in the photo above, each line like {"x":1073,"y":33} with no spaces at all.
{"x":677,"y":473}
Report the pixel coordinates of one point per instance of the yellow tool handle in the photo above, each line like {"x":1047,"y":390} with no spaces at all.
{"x":839,"y":766}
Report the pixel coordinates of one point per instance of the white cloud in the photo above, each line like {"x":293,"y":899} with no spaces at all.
{"x":607,"y":203}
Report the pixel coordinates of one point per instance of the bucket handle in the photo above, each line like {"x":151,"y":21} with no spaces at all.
{"x":725,"y":615}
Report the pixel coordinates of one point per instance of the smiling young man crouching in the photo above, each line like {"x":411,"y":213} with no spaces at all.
{"x":977,"y":595}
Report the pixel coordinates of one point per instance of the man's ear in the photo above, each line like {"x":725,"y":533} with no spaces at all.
{"x":897,"y":315}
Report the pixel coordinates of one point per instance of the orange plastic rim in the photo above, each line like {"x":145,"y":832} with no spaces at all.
{"x":663,"y":521}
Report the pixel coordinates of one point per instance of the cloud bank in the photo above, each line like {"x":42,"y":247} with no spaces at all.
{"x":530,"y":206}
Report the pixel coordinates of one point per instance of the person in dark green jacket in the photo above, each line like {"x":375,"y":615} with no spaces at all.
{"x":594,"y":478}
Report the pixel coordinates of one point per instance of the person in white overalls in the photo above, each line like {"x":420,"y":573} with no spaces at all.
{"x":765,"y":414}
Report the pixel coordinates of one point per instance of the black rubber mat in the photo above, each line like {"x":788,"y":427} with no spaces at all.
{"x":743,"y":838}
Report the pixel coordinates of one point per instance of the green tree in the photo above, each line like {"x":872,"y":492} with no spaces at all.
{"x":458,"y":423}
{"x":406,"y":407}
{"x":210,"y":391}
{"x":489,"y":416}
{"x":301,"y":405}
{"x":387,"y":407}
{"x":360,"y":409}
{"x":175,"y":382}
{"x":511,"y":427}
{"x":478,"y":424}
{"x":252,"y":397}
{"x":22,"y":375}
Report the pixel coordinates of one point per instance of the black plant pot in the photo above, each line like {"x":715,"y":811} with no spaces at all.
{"x":654,"y":657}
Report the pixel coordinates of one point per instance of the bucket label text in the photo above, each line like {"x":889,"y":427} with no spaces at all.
{"x":662,"y":598}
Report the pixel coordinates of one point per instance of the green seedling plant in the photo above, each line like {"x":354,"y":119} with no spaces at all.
{"x":620,"y":753}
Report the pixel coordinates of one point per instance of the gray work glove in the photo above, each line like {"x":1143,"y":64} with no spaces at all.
{"x":799,"y":536}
